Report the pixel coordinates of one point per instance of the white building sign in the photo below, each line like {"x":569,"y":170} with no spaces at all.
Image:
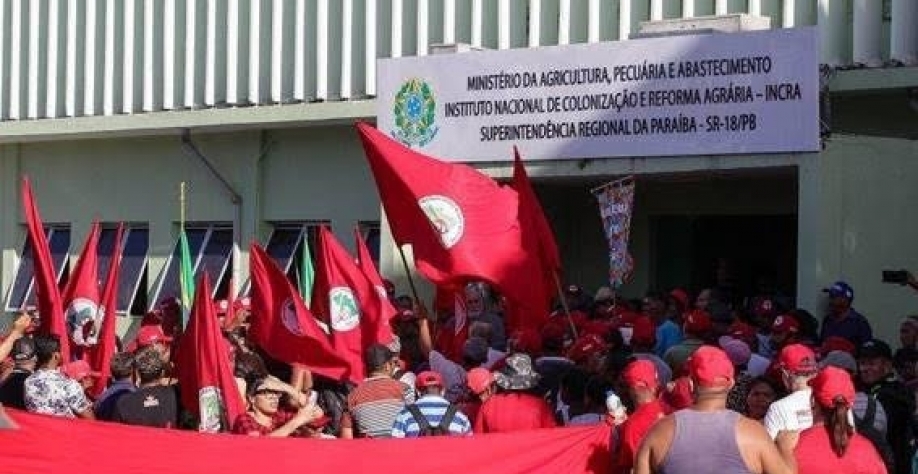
{"x":704,"y":94}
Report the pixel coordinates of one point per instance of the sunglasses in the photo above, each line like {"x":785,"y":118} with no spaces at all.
{"x":270,"y":393}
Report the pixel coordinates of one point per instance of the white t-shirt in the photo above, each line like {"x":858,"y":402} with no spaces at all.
{"x":791,"y":413}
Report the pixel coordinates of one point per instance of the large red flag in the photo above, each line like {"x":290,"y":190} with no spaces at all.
{"x":209,"y":389}
{"x":81,"y":295}
{"x":538,"y":238}
{"x":357,"y":314}
{"x":281,"y":324}
{"x":99,"y":356}
{"x":365,"y":261}
{"x":50,"y":305}
{"x":461,"y":224}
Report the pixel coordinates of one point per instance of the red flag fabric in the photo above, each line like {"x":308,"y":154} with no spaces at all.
{"x":538,"y":239}
{"x":81,"y":296}
{"x":46,"y":444}
{"x":50,"y":304}
{"x":357,"y":313}
{"x":281,"y":324}
{"x":461,"y":224}
{"x":202,"y":358}
{"x":99,"y":356}
{"x":365,"y":262}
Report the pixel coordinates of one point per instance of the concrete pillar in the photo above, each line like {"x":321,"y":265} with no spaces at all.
{"x":868,"y":17}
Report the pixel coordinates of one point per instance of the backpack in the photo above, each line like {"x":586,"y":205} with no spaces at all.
{"x":425,"y":429}
{"x":865,"y":428}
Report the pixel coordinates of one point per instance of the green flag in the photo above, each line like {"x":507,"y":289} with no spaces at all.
{"x":186,"y":277}
{"x":307,"y":274}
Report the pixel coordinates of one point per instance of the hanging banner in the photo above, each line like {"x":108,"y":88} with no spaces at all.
{"x":49,"y":445}
{"x":698,"y":94}
{"x":616,"y":202}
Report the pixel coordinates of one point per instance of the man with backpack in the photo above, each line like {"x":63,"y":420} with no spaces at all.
{"x":431,"y":415}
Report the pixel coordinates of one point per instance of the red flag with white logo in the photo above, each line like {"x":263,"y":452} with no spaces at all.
{"x":281,"y":324}
{"x":205,"y":374}
{"x":358,"y":315}
{"x":99,"y":356}
{"x":365,"y":261}
{"x":81,"y":295}
{"x":461,"y":224}
{"x":50,"y":304}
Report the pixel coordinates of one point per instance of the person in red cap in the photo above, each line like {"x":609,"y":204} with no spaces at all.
{"x":696,"y":327}
{"x":643,"y":385}
{"x":785,"y":330}
{"x":797,"y":364}
{"x":481,"y":385}
{"x":708,"y":438}
{"x":831,"y":445}
{"x":431,"y":414}
{"x":80,"y":371}
{"x":643,"y":339}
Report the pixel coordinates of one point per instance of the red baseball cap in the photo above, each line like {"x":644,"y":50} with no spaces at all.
{"x":586,"y":346}
{"x":710,"y":367}
{"x":698,"y":322}
{"x":785,"y":324}
{"x":678,"y":394}
{"x":798,"y":359}
{"x":742,"y":331}
{"x":833,"y":384}
{"x":764,"y":307}
{"x":78,"y":370}
{"x":641,"y":373}
{"x":681,"y":296}
{"x":837,"y":343}
{"x":149,"y":335}
{"x":428,"y":378}
{"x":479,"y":380}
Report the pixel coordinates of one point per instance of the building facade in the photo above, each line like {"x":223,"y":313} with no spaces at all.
{"x":108,"y":105}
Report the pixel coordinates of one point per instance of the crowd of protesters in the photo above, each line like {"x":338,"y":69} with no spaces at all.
{"x":704,"y":384}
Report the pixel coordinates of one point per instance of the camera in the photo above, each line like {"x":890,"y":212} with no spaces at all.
{"x":895,"y":276}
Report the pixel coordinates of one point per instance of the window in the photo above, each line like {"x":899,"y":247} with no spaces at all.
{"x":22,"y":292}
{"x":211,"y":246}
{"x":285,"y":246}
{"x":134,"y":246}
{"x":371,"y":236}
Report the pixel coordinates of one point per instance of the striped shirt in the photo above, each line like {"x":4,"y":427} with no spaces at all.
{"x":373,"y":405}
{"x":433,"y":408}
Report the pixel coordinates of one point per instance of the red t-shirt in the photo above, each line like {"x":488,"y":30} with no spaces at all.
{"x":633,"y":431}
{"x":814,"y":455}
{"x":513,"y":411}
{"x":246,"y":423}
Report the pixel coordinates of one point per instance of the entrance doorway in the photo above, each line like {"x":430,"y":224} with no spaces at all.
{"x":686,"y":229}
{"x":741,"y":255}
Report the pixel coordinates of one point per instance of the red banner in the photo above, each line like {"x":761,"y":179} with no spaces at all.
{"x":53,"y":445}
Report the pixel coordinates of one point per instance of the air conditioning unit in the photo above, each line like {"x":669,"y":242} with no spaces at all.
{"x":703,"y":24}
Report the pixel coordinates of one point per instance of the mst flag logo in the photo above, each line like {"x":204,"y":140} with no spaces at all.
{"x":289,"y":317}
{"x":81,"y":313}
{"x":345,"y":313}
{"x":415,"y":112}
{"x":445,"y":216}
